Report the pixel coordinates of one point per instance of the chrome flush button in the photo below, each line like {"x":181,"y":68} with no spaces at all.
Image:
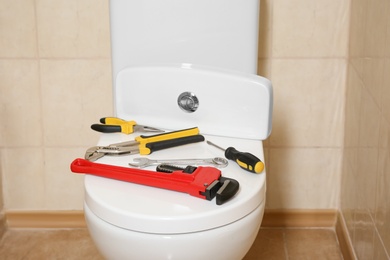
{"x":188,"y":102}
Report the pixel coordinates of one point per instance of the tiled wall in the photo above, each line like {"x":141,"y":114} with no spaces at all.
{"x":55,"y":80}
{"x":366,"y":166}
{"x":303,"y":50}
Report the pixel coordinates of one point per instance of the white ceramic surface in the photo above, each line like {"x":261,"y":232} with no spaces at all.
{"x":230,"y":242}
{"x":215,"y":33}
{"x":231,"y":103}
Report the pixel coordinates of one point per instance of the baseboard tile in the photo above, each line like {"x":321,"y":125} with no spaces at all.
{"x":45,"y":219}
{"x":299,"y":218}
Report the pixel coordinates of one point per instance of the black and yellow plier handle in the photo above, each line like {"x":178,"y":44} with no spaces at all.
{"x":117,"y":125}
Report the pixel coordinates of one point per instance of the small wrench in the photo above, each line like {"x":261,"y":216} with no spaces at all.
{"x":141,"y":162}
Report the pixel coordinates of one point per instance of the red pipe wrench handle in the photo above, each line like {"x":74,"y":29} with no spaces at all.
{"x":204,"y":182}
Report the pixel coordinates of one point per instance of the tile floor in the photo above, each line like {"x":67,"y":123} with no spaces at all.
{"x":275,"y":243}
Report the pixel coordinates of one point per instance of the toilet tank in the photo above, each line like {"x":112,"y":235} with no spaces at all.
{"x":214,"y":33}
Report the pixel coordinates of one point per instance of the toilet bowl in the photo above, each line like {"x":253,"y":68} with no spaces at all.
{"x":131,"y":221}
{"x":177,"y":65}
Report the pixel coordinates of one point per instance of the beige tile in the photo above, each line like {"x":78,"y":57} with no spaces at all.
{"x":306,"y":28}
{"x":367,"y":174}
{"x":73,"y":28}
{"x":20,"y":103}
{"x":382,"y":212}
{"x":76,"y":93}
{"x":48,"y":244}
{"x":308,"y":102}
{"x":264,"y":67}
{"x":269,"y":245}
{"x":379,"y":250}
{"x":16,"y":245}
{"x":17,"y":29}
{"x":352,"y":108}
{"x":363,"y":241}
{"x":303,"y":178}
{"x":373,"y":77}
{"x":64,"y":190}
{"x":23,"y":178}
{"x":77,"y":244}
{"x":312,"y":244}
{"x":349,"y":191}
{"x":369,"y":121}
{"x":387,"y":45}
{"x":386,"y":90}
{"x":358,"y":19}
{"x":265,"y":28}
{"x":375,"y":28}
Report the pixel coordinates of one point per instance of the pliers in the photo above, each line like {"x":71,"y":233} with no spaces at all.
{"x":114,"y":125}
{"x":146,"y":144}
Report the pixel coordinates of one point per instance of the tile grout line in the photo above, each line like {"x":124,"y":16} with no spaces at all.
{"x":378,"y":235}
{"x":285,"y":244}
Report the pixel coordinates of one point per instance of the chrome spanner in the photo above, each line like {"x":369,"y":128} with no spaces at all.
{"x":142,"y":162}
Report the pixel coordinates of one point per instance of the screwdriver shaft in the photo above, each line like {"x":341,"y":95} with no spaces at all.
{"x":213,"y":144}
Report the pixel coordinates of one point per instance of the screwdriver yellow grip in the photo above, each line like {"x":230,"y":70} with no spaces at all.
{"x":143,"y":140}
{"x":258,"y":167}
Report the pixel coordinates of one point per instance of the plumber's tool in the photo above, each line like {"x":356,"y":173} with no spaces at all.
{"x":247,"y":161}
{"x":142,"y":162}
{"x":114,"y":125}
{"x":146,"y":144}
{"x":201,"y":182}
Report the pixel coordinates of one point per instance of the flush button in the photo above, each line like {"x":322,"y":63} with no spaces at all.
{"x":188,"y":102}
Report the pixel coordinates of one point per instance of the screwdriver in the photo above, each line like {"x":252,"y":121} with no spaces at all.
{"x":247,"y":161}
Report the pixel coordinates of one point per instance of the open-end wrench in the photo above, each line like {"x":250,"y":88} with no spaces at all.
{"x":142,"y":162}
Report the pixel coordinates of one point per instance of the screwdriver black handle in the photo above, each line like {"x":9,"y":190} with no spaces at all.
{"x":247,"y":161}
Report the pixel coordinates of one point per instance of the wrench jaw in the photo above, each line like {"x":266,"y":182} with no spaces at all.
{"x":97,"y":152}
{"x":92,"y":154}
{"x":223,"y":189}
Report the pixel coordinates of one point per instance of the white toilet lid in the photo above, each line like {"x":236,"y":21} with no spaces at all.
{"x":153,"y":210}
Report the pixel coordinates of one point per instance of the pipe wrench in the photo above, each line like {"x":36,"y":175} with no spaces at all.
{"x":202,"y":182}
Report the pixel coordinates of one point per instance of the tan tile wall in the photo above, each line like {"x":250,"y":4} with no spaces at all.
{"x":55,"y":80}
{"x":303,"y":50}
{"x":365,"y":187}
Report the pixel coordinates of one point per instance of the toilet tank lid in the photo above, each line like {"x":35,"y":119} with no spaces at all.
{"x":152,"y":210}
{"x":230,"y":103}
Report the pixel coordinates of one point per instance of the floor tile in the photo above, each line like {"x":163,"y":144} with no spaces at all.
{"x":268,"y":245}
{"x":312,"y":244}
{"x":74,"y":244}
{"x":48,"y":244}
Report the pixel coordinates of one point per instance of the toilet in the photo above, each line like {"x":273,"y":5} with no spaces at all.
{"x":180,"y":64}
